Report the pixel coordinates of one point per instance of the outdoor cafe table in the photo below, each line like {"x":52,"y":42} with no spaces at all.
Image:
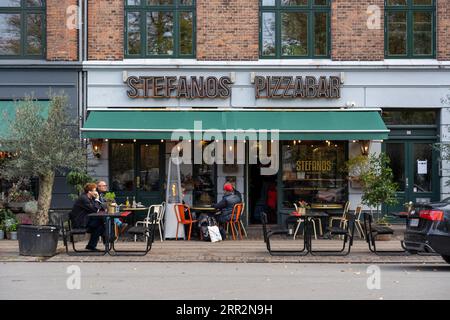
{"x":134,"y":211}
{"x":209,"y":210}
{"x":109,"y":222}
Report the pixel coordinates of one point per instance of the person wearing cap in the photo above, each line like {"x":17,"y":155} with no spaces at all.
{"x":227,"y":203}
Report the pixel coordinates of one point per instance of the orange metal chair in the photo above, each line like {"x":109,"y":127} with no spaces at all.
{"x":181,"y":217}
{"x":235,"y":220}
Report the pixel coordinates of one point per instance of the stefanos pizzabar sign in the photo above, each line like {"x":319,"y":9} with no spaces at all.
{"x":267,"y":87}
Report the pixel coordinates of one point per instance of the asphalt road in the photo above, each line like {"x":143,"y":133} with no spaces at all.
{"x":222,"y":281}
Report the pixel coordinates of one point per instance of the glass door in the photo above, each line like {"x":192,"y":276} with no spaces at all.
{"x":136,"y":170}
{"x":414,"y":164}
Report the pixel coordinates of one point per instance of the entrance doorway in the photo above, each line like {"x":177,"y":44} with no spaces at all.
{"x":136,"y":170}
{"x":262,"y":195}
{"x":415,"y":168}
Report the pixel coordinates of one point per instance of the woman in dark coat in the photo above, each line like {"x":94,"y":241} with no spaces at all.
{"x":82,"y":207}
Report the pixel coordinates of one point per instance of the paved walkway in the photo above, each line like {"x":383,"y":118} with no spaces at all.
{"x":243,"y":251}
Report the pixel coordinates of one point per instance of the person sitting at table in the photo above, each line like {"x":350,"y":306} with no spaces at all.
{"x":84,"y":206}
{"x":227,"y":203}
{"x":101,"y":204}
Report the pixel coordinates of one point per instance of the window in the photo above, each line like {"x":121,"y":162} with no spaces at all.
{"x":410,"y":28}
{"x":294,"y":29}
{"x":312,"y":172}
{"x":22,"y":25}
{"x":160,"y":28}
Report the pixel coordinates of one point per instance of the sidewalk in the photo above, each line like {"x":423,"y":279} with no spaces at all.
{"x":242,"y":251}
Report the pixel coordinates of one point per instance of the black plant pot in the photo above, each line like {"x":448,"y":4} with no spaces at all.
{"x":38,"y":241}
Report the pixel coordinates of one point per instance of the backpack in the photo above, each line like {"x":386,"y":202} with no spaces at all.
{"x":205,"y":222}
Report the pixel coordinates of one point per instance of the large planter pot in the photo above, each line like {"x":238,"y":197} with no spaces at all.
{"x":2,"y":234}
{"x":38,"y":241}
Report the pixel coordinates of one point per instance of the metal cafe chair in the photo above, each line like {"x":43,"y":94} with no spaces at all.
{"x":358,"y":223}
{"x":181,"y":218}
{"x":159,"y":210}
{"x":374,"y":230}
{"x":302,"y":219}
{"x":145,"y":230}
{"x":341,"y":218}
{"x":236,"y":220}
{"x":345,"y":230}
{"x":269,"y":233}
{"x":69,"y":234}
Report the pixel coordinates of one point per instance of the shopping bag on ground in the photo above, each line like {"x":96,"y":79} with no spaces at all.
{"x":214,"y":234}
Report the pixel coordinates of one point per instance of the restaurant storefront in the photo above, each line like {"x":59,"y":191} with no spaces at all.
{"x":314,"y":122}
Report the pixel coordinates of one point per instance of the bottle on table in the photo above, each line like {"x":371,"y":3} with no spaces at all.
{"x":134,"y":202}
{"x":127,"y":203}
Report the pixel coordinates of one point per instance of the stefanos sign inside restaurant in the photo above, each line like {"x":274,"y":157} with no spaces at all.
{"x":268,"y":87}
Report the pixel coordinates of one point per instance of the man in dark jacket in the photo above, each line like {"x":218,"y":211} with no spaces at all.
{"x":227,"y":203}
{"x":82,"y":207}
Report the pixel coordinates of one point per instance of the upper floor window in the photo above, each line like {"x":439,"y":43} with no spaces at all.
{"x":22,"y":28}
{"x":410,"y":28}
{"x":160,"y":28}
{"x":294,"y":29}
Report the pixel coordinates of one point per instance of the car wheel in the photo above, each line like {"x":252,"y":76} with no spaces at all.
{"x":446,"y":258}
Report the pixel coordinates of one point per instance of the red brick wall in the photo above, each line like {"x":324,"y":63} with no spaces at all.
{"x":105,"y":29}
{"x":352,"y":40}
{"x":227,"y":29}
{"x":62,"y":41}
{"x":443,"y":28}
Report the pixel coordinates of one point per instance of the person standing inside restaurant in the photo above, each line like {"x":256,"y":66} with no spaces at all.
{"x":227,"y":203}
{"x":84,"y":206}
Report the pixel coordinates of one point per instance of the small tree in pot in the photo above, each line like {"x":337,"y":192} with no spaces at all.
{"x":378,"y":184}
{"x":42,"y":146}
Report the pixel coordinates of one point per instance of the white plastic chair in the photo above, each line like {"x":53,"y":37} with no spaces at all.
{"x":300,"y":221}
{"x":159,"y":210}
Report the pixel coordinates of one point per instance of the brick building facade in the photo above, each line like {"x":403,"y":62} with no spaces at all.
{"x":124,"y":42}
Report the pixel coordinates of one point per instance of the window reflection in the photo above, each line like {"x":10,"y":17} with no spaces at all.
{"x":312,"y":171}
{"x":122,"y":166}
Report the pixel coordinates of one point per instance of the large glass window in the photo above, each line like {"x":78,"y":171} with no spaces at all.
{"x":410,"y":117}
{"x":22,"y":27}
{"x":204,"y":179}
{"x":160,"y":28}
{"x":410,"y":28}
{"x":295,"y":28}
{"x":313,"y":172}
{"x":122,"y":166}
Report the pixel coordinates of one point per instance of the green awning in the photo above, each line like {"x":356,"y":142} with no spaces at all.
{"x":292,"y":124}
{"x":8,"y":113}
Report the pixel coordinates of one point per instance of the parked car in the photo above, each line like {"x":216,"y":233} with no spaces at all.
{"x":428,"y":229}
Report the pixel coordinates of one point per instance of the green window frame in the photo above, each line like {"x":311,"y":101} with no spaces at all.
{"x":276,"y":17}
{"x":173,"y":23}
{"x":19,"y":35}
{"x":400,"y":21}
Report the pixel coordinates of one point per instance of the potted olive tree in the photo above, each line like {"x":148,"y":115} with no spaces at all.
{"x":378,"y":185}
{"x":42,"y":144}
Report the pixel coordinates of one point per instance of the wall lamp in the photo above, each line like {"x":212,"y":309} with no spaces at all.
{"x":365,"y":147}
{"x":97,"y":147}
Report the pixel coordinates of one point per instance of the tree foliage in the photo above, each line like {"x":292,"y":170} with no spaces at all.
{"x":378,"y":182}
{"x":42,"y":145}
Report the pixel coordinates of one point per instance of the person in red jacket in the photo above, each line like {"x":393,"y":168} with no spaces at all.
{"x":271,"y":203}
